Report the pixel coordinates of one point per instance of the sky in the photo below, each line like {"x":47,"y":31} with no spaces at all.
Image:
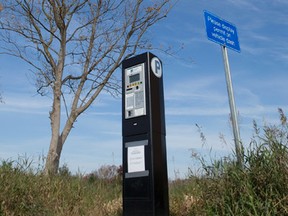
{"x":196,"y":99}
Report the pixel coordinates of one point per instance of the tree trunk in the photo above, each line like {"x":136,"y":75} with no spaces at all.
{"x":58,"y":139}
{"x":53,"y":156}
{"x":56,"y":144}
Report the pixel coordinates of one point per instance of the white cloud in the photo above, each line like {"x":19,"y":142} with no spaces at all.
{"x":198,"y":111}
{"x":195,"y":88}
{"x":23,"y":103}
{"x":246,"y":4}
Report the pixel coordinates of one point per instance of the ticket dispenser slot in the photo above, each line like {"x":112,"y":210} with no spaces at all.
{"x":135,"y":104}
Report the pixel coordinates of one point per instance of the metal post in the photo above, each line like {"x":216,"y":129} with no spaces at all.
{"x":236,"y":133}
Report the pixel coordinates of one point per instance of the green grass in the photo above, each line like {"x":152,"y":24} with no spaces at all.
{"x":26,"y":193}
{"x":258,"y":188}
{"x":223,"y":188}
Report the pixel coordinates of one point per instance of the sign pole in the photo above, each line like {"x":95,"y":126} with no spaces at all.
{"x":225,"y":33}
{"x":236,"y":133}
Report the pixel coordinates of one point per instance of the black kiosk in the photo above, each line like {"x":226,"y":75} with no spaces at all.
{"x":145,"y":181}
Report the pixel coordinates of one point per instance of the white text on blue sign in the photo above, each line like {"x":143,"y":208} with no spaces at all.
{"x":221,"y":32}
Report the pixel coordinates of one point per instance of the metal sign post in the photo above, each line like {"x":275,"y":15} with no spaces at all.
{"x":225,"y":34}
{"x":236,"y":132}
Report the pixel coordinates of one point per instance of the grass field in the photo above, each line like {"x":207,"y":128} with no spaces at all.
{"x":259,"y":187}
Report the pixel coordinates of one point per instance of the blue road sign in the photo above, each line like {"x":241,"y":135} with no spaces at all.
{"x":221,"y":31}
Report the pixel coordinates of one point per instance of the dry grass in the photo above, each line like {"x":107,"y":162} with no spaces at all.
{"x":258,"y":188}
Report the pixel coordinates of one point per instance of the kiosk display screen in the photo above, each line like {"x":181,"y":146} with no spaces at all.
{"x":134,"y":78}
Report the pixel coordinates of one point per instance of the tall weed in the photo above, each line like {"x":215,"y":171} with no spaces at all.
{"x":258,"y":188}
{"x":23,"y":192}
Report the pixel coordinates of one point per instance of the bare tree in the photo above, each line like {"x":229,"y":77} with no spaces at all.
{"x":74,"y":47}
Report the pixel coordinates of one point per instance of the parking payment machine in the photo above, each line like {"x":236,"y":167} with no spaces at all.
{"x":145,"y":181}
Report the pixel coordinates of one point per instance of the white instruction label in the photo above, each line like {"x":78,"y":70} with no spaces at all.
{"x":136,"y":159}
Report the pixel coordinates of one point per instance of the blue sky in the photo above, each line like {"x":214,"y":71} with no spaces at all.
{"x":195,"y":91}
